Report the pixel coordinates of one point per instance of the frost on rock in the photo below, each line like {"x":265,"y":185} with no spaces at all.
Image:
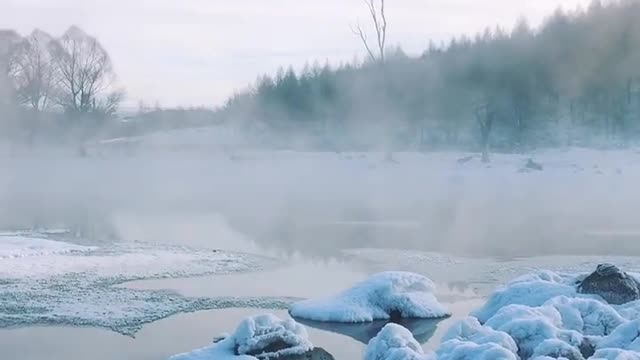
{"x":394,"y":342}
{"x":383,"y":296}
{"x":259,"y":337}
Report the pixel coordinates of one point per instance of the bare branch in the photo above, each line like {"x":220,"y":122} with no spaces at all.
{"x":358,"y":31}
{"x":379,"y":19}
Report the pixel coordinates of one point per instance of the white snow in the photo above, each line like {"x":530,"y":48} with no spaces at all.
{"x":253,"y":336}
{"x":42,"y":259}
{"x":410,"y":295}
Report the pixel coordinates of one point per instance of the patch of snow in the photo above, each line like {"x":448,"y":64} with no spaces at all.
{"x":18,"y":247}
{"x":254,"y":336}
{"x":377,"y":298}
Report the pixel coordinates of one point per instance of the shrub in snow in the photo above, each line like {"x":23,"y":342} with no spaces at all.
{"x":383,"y":296}
{"x":262,"y":337}
{"x":394,"y":342}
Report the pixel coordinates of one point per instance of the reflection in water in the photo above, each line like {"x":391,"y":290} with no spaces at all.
{"x":422,"y":329}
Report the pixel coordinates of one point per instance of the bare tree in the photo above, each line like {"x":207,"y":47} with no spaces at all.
{"x":379,"y":18}
{"x":485,"y":115}
{"x":86,"y":74}
{"x":31,"y":71}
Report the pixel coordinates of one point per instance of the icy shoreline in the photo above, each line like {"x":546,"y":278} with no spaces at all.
{"x":47,"y":282}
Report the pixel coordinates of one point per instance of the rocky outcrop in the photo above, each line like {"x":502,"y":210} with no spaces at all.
{"x":612,"y":284}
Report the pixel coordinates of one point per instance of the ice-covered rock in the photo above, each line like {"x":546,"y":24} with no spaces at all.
{"x":259,"y":337}
{"x":612,"y":284}
{"x":383,"y":296}
{"x":394,"y":342}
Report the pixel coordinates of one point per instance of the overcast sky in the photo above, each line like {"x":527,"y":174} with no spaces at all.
{"x":198,"y":52}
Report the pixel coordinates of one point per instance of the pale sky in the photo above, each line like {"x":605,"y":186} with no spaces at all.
{"x":199,"y":52}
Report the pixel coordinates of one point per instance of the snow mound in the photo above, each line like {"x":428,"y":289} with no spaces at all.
{"x":470,"y":330}
{"x":531,"y":290}
{"x":394,"y":342}
{"x":381,"y":297}
{"x":262,"y":337}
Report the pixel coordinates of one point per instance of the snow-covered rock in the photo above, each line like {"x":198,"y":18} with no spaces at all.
{"x":612,"y":284}
{"x":259,"y":337}
{"x":394,"y":342}
{"x":382,"y":296}
{"x":542,"y":316}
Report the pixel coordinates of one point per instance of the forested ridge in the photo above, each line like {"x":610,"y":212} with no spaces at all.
{"x":575,"y":80}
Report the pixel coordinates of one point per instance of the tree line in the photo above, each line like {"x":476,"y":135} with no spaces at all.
{"x":574,"y":80}
{"x":65,"y":82}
